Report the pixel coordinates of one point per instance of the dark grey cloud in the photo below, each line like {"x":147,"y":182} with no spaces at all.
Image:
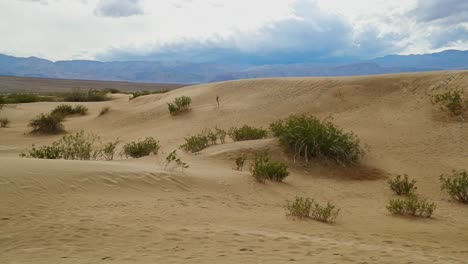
{"x":119,"y":8}
{"x":312,"y":36}
{"x":443,"y":11}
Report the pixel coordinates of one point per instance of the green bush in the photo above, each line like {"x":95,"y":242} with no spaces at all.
{"x":2,"y":101}
{"x":310,"y":137}
{"x":240,"y":162}
{"x":21,"y":98}
{"x":66,"y":110}
{"x":402,"y":186}
{"x":112,"y":90}
{"x":247,"y":133}
{"x":412,"y":206}
{"x":172,"y":157}
{"x":47,"y":124}
{"x":77,"y":95}
{"x":78,"y":146}
{"x":196,"y":143}
{"x":143,"y":93}
{"x":4,"y":122}
{"x":263,"y":169}
{"x":456,"y":185}
{"x":142,"y":148}
{"x":180,"y":105}
{"x":308,"y":208}
{"x":203,"y":140}
{"x":452,"y":101}
{"x":104,"y":110}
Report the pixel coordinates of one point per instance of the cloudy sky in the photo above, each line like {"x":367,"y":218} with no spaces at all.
{"x":262,"y":30}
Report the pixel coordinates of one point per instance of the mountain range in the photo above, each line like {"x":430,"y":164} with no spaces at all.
{"x":187,"y":72}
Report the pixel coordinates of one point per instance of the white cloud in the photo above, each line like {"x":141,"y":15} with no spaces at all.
{"x":119,"y":8}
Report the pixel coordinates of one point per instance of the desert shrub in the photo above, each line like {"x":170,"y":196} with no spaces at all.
{"x":412,"y":206}
{"x":456,"y":185}
{"x":247,"y":133}
{"x":78,"y":95}
{"x":53,"y":151}
{"x":196,"y":143}
{"x":300,"y":207}
{"x":66,"y":110}
{"x":47,"y":124}
{"x":240,"y":162}
{"x":4,"y":122}
{"x":402,"y":186}
{"x":221,"y":134}
{"x":452,"y":101}
{"x":307,"y":208}
{"x":107,"y":151}
{"x":203,"y":140}
{"x":21,"y":98}
{"x":2,"y":101}
{"x":264,"y":169}
{"x":78,"y":146}
{"x":141,"y":148}
{"x":112,"y":90}
{"x":104,"y":110}
{"x":310,"y":137}
{"x":143,"y":93}
{"x":172,"y":157}
{"x":180,"y":105}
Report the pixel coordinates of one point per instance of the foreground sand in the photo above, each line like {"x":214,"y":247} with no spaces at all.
{"x":134,"y":211}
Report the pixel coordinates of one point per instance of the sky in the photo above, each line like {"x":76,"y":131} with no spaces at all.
{"x":256,"y":31}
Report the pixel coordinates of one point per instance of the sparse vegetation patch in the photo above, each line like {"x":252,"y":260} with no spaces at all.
{"x":141,"y":148}
{"x":402,"y":186}
{"x":104,"y":110}
{"x":264,"y":169}
{"x":4,"y":122}
{"x":412,"y":206}
{"x":452,"y":101}
{"x":240,"y":162}
{"x":307,"y":208}
{"x":78,"y":95}
{"x":247,"y":133}
{"x":67,"y":110}
{"x":143,"y":93}
{"x":456,"y":185}
{"x":47,"y":124}
{"x":203,"y":140}
{"x":180,"y":105}
{"x":309,"y":137}
{"x":78,"y":146}
{"x":175,"y":159}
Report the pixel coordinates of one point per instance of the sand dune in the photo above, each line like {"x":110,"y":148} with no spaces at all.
{"x":135,"y":211}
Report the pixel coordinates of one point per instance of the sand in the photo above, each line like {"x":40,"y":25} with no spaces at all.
{"x":135,"y":211}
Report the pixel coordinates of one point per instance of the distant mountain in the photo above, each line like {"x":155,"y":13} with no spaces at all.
{"x":185,"y":72}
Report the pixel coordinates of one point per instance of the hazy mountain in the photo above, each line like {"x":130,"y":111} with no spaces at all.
{"x":183,"y":72}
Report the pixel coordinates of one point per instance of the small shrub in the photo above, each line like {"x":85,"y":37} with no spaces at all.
{"x":247,"y":133}
{"x":310,"y":137}
{"x":21,"y":98}
{"x":263,"y":169}
{"x":4,"y":122}
{"x":77,"y":95}
{"x":112,"y":90}
{"x":308,"y":208}
{"x":78,"y":146}
{"x":104,"y":110}
{"x":240,"y":162}
{"x":412,"y":206}
{"x":402,"y":186}
{"x":172,"y":157}
{"x":45,"y":152}
{"x":66,"y":110}
{"x":300,"y":207}
{"x":143,"y":93}
{"x":180,"y":105}
{"x":47,"y":124}
{"x":142,"y":148}
{"x":456,"y":185}
{"x":203,"y":140}
{"x":108,"y":150}
{"x":452,"y":101}
{"x":2,"y":102}
{"x":196,"y":143}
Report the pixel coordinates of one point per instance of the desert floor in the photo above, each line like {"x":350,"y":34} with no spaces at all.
{"x":135,"y":211}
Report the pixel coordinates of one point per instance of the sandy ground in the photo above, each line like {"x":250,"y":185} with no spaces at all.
{"x":134,"y":211}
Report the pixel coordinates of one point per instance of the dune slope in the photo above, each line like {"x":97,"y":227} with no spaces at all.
{"x":135,"y":211}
